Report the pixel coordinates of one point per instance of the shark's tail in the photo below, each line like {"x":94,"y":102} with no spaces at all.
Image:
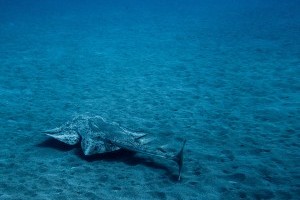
{"x":178,"y":158}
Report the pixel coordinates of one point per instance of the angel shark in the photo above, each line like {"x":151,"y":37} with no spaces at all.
{"x":96,"y":135}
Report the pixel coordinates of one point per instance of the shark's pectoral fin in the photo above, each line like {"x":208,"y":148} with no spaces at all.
{"x":68,"y":137}
{"x":53,"y":131}
{"x":88,"y":146}
{"x":91,"y":146}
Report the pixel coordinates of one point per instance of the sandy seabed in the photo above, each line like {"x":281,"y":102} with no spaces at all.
{"x":228,"y":82}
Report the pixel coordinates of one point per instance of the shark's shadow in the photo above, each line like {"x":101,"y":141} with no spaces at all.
{"x":56,"y":144}
{"x":122,"y":155}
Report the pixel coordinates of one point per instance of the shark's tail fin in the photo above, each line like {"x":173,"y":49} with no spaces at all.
{"x":178,"y":158}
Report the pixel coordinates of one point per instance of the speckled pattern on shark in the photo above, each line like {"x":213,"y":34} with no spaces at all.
{"x":97,"y":136}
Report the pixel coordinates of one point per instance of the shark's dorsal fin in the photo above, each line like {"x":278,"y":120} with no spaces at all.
{"x":140,"y":137}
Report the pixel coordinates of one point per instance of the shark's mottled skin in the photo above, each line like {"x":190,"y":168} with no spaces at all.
{"x":97,"y":135}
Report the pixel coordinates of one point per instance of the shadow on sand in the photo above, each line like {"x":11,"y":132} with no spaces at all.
{"x":125,"y":156}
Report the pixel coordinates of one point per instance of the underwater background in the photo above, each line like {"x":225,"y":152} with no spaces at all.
{"x":223,"y":74}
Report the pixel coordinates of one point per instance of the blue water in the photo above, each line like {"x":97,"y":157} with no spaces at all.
{"x":222,"y":74}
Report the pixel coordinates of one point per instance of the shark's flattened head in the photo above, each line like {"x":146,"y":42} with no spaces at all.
{"x":70,"y":136}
